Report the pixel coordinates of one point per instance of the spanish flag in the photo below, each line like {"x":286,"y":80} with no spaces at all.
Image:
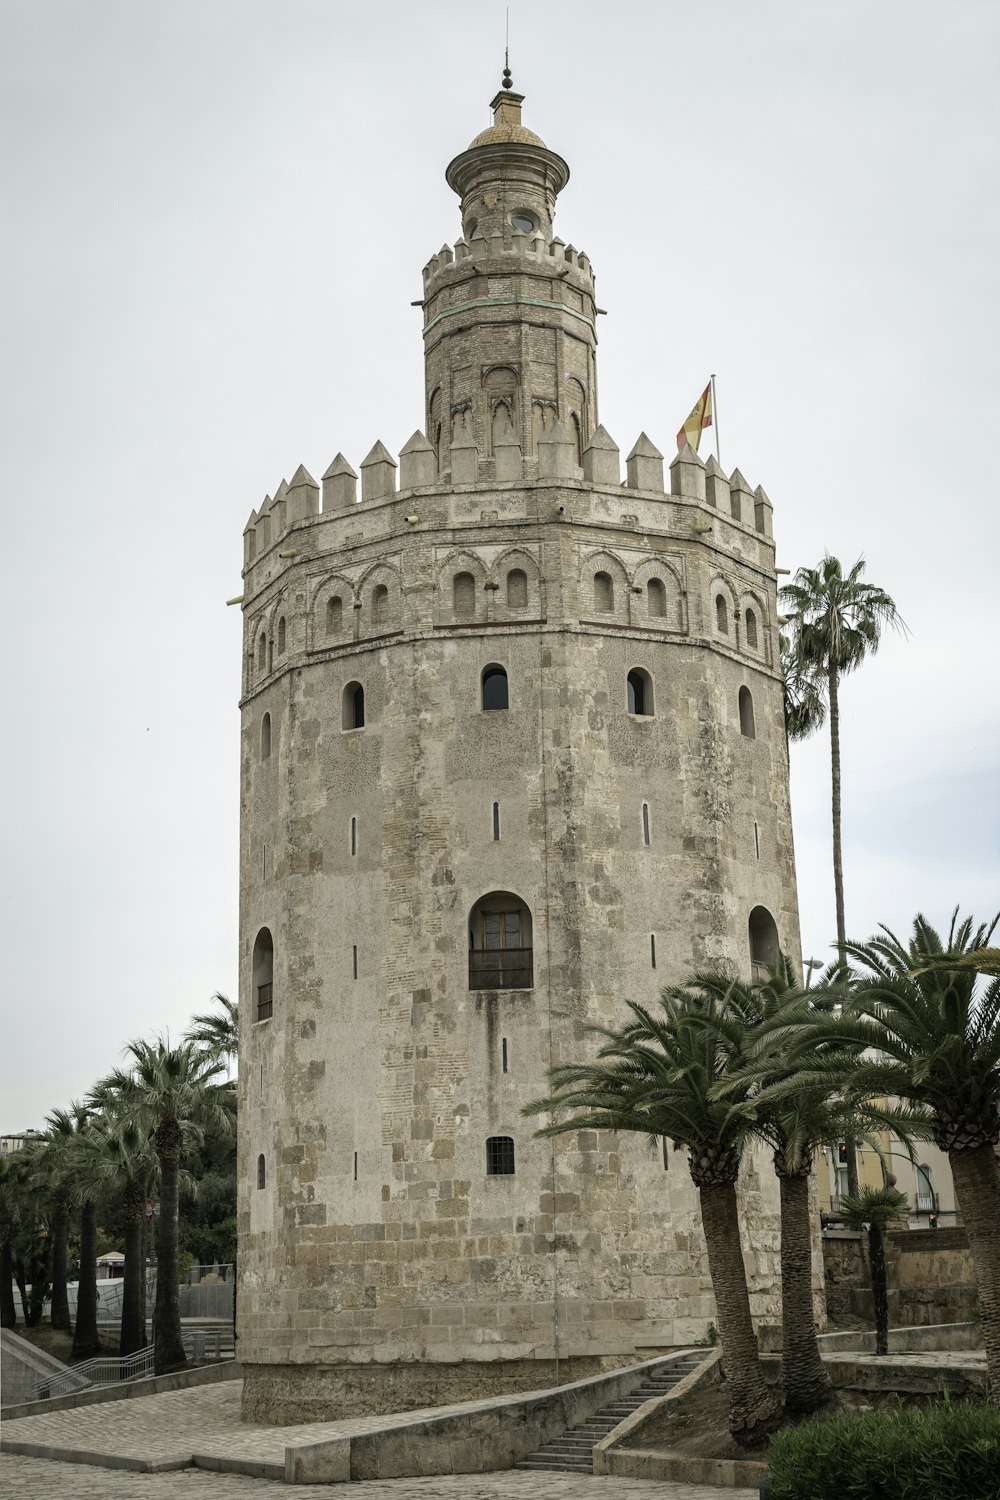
{"x":699,"y":418}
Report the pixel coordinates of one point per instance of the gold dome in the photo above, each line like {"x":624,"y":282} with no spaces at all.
{"x":504,"y":134}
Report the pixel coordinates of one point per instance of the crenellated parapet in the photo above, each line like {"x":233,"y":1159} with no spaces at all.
{"x":511,"y":252}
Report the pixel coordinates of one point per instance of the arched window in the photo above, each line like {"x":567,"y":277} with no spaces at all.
{"x":265,"y":737}
{"x":751,"y":624}
{"x":380,"y":605}
{"x":640,"y":692}
{"x":604,"y":593}
{"x":764,"y":943}
{"x":495,"y":688}
{"x":262,"y":651}
{"x":261,"y":1172}
{"x":463,"y":596}
{"x":656,"y":599}
{"x":353,"y":710}
{"x":499,"y":1156}
{"x":721,"y":615}
{"x":517,"y":589}
{"x":281,"y":636}
{"x":263,"y":975}
{"x":500,"y":944}
{"x":434,"y":425}
{"x":746,"y":714}
{"x":334,"y":615}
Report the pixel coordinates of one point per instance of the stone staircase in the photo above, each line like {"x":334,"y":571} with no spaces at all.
{"x":572,"y":1452}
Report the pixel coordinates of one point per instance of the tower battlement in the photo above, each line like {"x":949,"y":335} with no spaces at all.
{"x":500,"y":253}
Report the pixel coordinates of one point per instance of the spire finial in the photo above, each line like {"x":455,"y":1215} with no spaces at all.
{"x":507,"y":81}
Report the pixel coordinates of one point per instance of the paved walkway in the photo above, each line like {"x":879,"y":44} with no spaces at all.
{"x":37,"y":1479}
{"x":163,"y":1433}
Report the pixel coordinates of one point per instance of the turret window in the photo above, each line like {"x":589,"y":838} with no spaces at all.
{"x":281,"y":636}
{"x":495,"y":688}
{"x":523,"y":223}
{"x":721,"y":615}
{"x":639,"y":689}
{"x":353,"y":711}
{"x":500,"y":944}
{"x":747,"y":726}
{"x":500,"y":1156}
{"x":265,"y":737}
{"x":751,"y":624}
{"x":262,"y":975}
{"x":380,"y":605}
{"x":262,"y":651}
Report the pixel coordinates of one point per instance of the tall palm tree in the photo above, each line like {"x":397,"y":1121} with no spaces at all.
{"x":217,"y":1032}
{"x":654,"y":1076}
{"x":836,"y":621}
{"x":929,"y":1033}
{"x":804,"y":701}
{"x":9,"y":1188}
{"x":876,"y":1209}
{"x":167,"y":1089}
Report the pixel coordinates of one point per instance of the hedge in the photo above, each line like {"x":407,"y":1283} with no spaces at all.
{"x":948,"y":1451}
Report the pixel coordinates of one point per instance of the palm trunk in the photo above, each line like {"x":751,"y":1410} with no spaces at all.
{"x":8,"y":1311}
{"x":753,"y":1408}
{"x":59,"y":1317}
{"x":86,"y":1341}
{"x":976,"y":1175}
{"x":838,"y":872}
{"x":880,"y":1287}
{"x":167,"y":1308}
{"x":806,"y":1380}
{"x":133,"y":1330}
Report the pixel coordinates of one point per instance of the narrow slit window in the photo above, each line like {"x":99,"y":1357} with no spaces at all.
{"x":354,"y":837}
{"x":721,"y":615}
{"x":652,"y":950}
{"x":500,"y":1156}
{"x":666,"y":1158}
{"x":354,"y":959}
{"x":503,"y":1054}
{"x":496,"y":822}
{"x":265,"y":737}
{"x":756,"y":840}
{"x":261,"y":1173}
{"x":645,"y":822}
{"x":355,"y":1166}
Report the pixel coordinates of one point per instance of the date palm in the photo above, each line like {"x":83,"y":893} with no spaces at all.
{"x":836,"y":621}
{"x":654,"y":1077}
{"x":876,"y":1209}
{"x":166,"y":1090}
{"x":928,"y":1032}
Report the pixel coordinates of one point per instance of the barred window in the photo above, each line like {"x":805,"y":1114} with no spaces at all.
{"x":500,"y":1156}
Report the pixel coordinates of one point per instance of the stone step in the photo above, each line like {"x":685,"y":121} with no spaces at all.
{"x":551,"y":1466}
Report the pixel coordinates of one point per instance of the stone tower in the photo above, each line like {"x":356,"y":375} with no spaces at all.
{"x":512,"y":752}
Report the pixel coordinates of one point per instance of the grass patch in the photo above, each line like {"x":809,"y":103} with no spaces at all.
{"x":57,"y":1343}
{"x":945,"y":1451}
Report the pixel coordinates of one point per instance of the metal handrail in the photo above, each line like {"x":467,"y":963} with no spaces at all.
{"x":500,"y":969}
{"x":201,"y":1344}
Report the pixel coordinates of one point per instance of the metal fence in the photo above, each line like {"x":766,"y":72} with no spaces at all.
{"x":201,"y":1345}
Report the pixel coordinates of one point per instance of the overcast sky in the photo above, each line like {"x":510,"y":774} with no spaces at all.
{"x":215,"y":216}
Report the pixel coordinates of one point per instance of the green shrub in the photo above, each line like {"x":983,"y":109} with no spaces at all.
{"x":942,"y":1452}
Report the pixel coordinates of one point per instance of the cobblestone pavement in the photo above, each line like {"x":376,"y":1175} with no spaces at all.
{"x":40,"y":1479}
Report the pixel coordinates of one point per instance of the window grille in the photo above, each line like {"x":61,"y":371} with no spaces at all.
{"x":500,"y":1156}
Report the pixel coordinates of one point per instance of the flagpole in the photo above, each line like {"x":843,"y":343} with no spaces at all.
{"x":715,"y":423}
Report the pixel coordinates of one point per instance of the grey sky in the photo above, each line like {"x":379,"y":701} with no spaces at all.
{"x":215,"y":217}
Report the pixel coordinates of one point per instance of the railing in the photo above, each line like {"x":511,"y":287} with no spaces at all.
{"x":500,"y":969}
{"x":202,"y":1345}
{"x":925,"y":1203}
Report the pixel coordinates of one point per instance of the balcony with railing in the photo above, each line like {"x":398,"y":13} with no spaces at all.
{"x":501,"y":969}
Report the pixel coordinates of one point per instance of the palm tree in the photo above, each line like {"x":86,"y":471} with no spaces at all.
{"x":836,"y":622}
{"x":804,"y":703}
{"x":52,"y":1158}
{"x":926,"y":1032}
{"x":167,"y":1089}
{"x":654,"y":1076}
{"x":9,"y":1186}
{"x":876,"y":1209}
{"x":218,"y":1033}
